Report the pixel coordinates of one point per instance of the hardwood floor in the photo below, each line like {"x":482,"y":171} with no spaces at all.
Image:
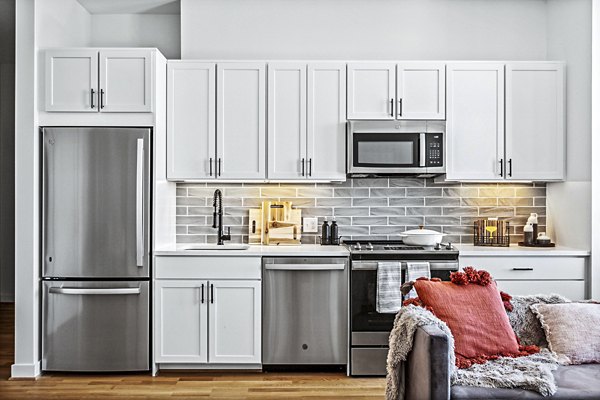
{"x":177,"y":385}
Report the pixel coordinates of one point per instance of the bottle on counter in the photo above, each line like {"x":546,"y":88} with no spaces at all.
{"x":533,"y":220}
{"x":335,"y":238}
{"x":528,"y":238}
{"x":325,"y":233}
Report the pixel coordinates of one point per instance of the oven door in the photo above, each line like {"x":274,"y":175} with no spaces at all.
{"x":386,"y":152}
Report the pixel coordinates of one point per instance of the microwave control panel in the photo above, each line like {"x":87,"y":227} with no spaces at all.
{"x":434,"y":150}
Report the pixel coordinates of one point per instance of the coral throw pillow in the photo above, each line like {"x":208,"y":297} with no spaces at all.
{"x":472,"y":308}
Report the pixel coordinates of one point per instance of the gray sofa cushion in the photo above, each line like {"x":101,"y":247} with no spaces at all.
{"x":574,"y":382}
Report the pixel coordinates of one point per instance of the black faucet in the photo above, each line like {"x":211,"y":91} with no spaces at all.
{"x":218,"y":218}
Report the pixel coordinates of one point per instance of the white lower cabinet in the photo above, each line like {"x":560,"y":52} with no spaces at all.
{"x":203,"y":316}
{"x":522,"y":275}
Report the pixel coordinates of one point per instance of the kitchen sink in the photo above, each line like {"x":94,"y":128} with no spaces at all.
{"x":232,"y":246}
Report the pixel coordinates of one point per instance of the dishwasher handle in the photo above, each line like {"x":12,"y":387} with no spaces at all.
{"x":305,"y":267}
{"x":86,"y":291}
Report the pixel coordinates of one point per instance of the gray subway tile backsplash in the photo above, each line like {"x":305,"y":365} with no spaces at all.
{"x":373,"y":208}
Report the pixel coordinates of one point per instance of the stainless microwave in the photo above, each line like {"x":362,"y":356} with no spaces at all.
{"x":396,"y":148}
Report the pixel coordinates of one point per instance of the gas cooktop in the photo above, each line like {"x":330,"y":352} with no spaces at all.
{"x":372,"y":249}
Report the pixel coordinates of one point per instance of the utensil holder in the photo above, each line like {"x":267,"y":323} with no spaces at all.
{"x":491,"y":232}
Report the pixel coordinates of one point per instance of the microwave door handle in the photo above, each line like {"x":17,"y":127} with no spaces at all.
{"x":422,"y":150}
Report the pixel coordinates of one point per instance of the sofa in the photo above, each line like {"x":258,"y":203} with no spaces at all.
{"x":427,"y":374}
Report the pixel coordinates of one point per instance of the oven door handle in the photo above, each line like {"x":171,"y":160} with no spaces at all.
{"x":433,"y":265}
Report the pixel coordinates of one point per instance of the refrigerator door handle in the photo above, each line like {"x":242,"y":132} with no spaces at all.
{"x":84,"y":291}
{"x":139,"y":205}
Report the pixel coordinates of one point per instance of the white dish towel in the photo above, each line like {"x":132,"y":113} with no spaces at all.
{"x":416,"y":270}
{"x":389,"y":280}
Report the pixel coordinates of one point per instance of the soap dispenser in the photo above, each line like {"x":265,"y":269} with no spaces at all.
{"x":325,"y":233}
{"x":533,"y":220}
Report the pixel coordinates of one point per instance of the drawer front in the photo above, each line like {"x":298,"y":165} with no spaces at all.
{"x":529,"y":268}
{"x":573,"y":290}
{"x":368,"y":361}
{"x":207,"y":267}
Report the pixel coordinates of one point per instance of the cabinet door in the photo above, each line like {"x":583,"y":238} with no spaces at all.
{"x":72,"y":80}
{"x":371,"y":88}
{"x":235,"y":322}
{"x":326,"y":122}
{"x":241,"y":132}
{"x":421,"y":91}
{"x":180,"y":321}
{"x":475,"y":121}
{"x":126,"y":81}
{"x":287,"y":121}
{"x":190,"y":120}
{"x":535,"y":121}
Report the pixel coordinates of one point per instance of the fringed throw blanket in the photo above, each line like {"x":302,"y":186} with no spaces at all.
{"x":532,"y":372}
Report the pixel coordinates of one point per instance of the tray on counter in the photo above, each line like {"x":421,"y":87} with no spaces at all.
{"x":537,"y":245}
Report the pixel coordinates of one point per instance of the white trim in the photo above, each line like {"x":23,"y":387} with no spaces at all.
{"x":25,"y":370}
{"x":595,"y":260}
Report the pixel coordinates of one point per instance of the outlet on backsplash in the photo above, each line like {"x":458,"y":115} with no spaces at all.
{"x":378,"y":208}
{"x":310,"y":225}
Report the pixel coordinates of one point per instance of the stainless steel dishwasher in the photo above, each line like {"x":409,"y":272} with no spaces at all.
{"x":305,"y":311}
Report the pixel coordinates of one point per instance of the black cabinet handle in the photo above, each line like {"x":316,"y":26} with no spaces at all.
{"x":501,"y":167}
{"x":202,"y":291}
{"x":101,"y":98}
{"x":92,"y":98}
{"x":310,"y":167}
{"x":392,"y":104}
{"x":400,"y":107}
{"x":522,"y":269}
{"x":303,"y":167}
{"x":219,"y":167}
{"x":210,"y":166}
{"x":212,"y":294}
{"x":510,"y":167}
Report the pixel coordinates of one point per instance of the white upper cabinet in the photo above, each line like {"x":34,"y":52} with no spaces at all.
{"x":371,"y":90}
{"x":91,"y":80}
{"x":241,"y":134}
{"x":235,"y":322}
{"x":286,"y":117}
{"x":191,"y":120}
{"x":475,"y":121}
{"x":326,"y":121}
{"x":125,"y":80}
{"x":535,"y":121}
{"x":72,"y":80}
{"x":421,"y":91}
{"x":306,"y":121}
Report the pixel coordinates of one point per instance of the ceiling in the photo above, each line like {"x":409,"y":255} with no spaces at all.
{"x":132,"y":6}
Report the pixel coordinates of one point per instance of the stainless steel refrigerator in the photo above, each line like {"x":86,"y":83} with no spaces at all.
{"x":95,"y":249}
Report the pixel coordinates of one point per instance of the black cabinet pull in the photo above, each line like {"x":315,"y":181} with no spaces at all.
{"x":101,"y":98}
{"x":202,"y":291}
{"x":310,"y":167}
{"x":510,"y":167}
{"x":392,"y":104}
{"x":212,"y":294}
{"x":522,"y":269}
{"x":219,"y":167}
{"x":501,"y":167}
{"x":210,"y":167}
{"x":303,"y":167}
{"x":254,"y":226}
{"x":92,"y":98}
{"x":400,"y":107}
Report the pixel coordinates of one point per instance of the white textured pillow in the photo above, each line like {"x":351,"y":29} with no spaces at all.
{"x":572,"y":330}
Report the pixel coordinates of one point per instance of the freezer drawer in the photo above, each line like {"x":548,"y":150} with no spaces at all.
{"x":305,"y":307}
{"x":95,"y":326}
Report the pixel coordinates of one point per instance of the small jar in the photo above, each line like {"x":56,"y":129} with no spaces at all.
{"x":528,"y":238}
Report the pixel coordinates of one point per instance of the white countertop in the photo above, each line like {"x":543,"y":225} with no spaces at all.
{"x":517,"y":251}
{"x":303,"y":250}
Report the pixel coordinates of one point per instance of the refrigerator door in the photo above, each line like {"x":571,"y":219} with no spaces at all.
{"x":95,"y":326}
{"x":96,"y":202}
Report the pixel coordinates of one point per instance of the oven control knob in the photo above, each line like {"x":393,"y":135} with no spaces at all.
{"x":357,"y":246}
{"x":449,"y":246}
{"x":369,"y":246}
{"x":437,"y":246}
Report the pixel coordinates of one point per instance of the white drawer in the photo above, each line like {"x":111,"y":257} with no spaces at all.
{"x":186,"y":267}
{"x":529,"y":268}
{"x":573,"y":290}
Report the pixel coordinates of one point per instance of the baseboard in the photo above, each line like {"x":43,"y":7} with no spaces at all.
{"x":7,"y":298}
{"x":25,"y":370}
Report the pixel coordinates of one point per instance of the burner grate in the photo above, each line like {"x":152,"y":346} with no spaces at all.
{"x":403,"y":248}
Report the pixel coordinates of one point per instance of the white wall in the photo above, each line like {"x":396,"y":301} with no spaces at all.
{"x":138,"y":30}
{"x":61,"y":23}
{"x":364,"y":29}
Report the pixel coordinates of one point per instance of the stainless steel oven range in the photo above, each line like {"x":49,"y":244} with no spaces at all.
{"x":369,"y":330}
